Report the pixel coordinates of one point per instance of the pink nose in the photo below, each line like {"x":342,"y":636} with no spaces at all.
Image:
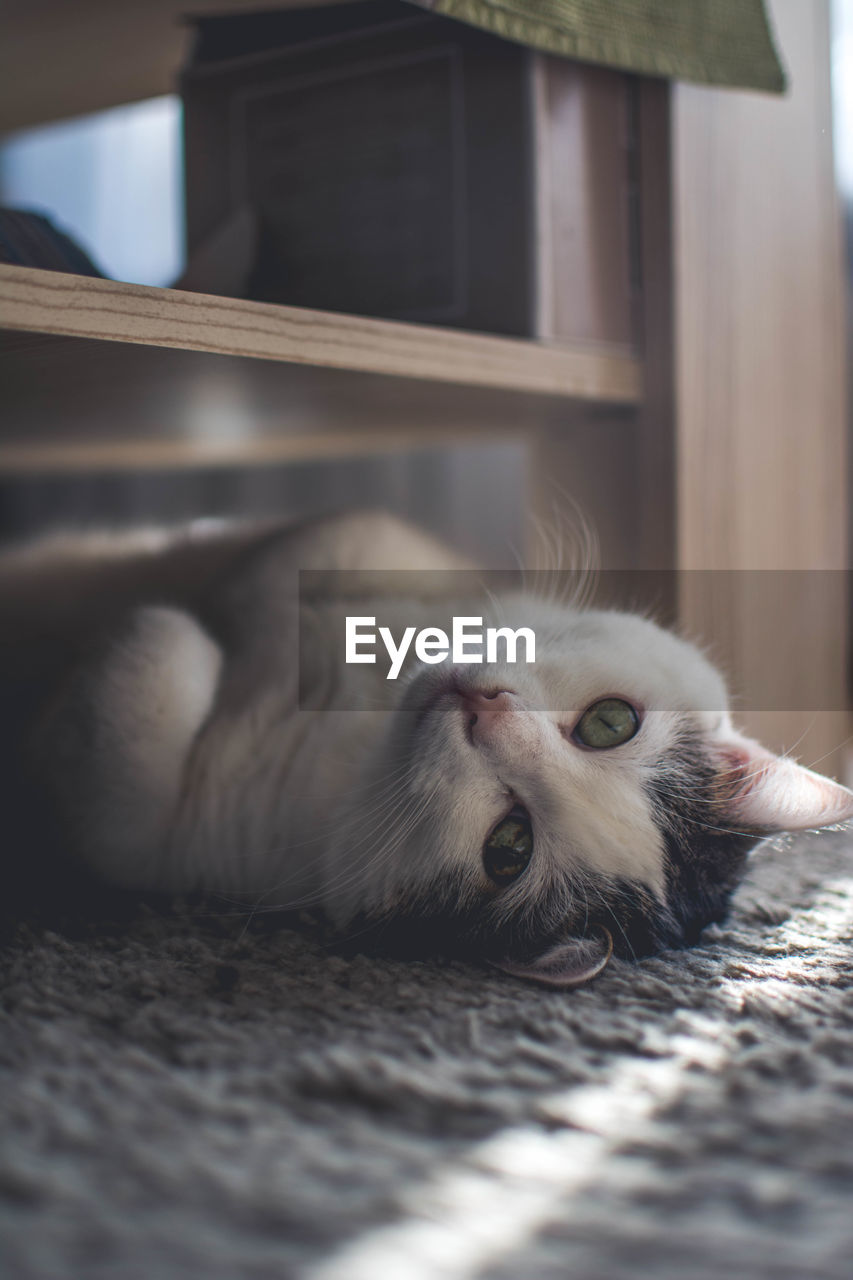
{"x":486,"y":709}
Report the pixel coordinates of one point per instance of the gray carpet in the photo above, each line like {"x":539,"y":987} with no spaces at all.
{"x":181,"y":1101}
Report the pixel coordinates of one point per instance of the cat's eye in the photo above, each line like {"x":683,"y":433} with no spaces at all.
{"x":607,"y":723}
{"x":509,"y":848}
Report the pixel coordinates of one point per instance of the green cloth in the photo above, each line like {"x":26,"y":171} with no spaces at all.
{"x":725,"y":42}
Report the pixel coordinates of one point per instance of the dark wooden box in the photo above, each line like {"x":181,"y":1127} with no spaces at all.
{"x":389,"y":155}
{"x":385,"y":152}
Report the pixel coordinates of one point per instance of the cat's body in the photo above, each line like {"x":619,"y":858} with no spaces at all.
{"x":151,"y":700}
{"x":98,"y":629}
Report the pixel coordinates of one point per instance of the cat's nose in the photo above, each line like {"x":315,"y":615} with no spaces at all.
{"x":485,"y":709}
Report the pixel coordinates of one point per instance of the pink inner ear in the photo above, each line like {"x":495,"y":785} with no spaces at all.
{"x":569,"y":964}
{"x":771,"y":793}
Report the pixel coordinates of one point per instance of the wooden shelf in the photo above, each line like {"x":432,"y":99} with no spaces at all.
{"x":49,"y":302}
{"x":80,"y":404}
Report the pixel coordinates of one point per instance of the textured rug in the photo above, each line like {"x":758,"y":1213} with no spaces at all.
{"x":181,"y":1098}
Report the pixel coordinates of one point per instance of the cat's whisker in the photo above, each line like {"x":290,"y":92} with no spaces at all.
{"x":838,"y":747}
{"x":602,"y":900}
{"x":296,"y":874}
{"x":497,"y":605}
{"x":376,"y":857}
{"x":387,"y":793}
{"x":520,"y":563}
{"x":788,"y":752}
{"x":350,"y":873}
{"x":579,"y":580}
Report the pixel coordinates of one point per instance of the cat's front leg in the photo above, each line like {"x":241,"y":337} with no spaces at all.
{"x":113,"y":748}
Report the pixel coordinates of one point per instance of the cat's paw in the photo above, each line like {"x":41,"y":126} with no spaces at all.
{"x":113,"y":747}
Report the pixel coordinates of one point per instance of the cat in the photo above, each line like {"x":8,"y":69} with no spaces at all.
{"x":172,"y":717}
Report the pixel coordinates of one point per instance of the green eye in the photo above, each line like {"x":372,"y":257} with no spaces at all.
{"x":607,"y":723}
{"x":509,"y":848}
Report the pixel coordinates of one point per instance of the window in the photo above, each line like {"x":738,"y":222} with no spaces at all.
{"x":113,"y":181}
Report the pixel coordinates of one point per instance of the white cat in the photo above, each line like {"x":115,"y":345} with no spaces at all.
{"x":537,"y":816}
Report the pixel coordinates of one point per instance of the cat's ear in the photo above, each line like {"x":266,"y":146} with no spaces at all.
{"x":770,"y":793}
{"x":568,"y":964}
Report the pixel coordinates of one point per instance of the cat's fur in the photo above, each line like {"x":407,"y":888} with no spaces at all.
{"x":149,"y":695}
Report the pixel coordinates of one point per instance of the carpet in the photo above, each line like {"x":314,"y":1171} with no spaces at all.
{"x":182,"y":1097}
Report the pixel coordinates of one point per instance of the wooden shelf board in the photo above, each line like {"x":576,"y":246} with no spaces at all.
{"x":87,"y":456}
{"x":50,"y":302}
{"x":80,"y":403}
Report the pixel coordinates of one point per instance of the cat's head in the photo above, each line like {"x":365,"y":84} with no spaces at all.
{"x":539,"y":813}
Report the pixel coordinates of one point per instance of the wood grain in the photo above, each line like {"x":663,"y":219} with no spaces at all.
{"x":618,"y":467}
{"x":583,"y":258}
{"x":50,"y":302}
{"x":760,"y":379}
{"x":655,"y":476}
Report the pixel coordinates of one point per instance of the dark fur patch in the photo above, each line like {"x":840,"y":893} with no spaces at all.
{"x":705,"y":857}
{"x":704,"y":864}
{"x":705,"y":861}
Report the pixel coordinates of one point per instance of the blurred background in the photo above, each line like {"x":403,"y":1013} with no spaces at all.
{"x":114,"y":181}
{"x":536,"y":275}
